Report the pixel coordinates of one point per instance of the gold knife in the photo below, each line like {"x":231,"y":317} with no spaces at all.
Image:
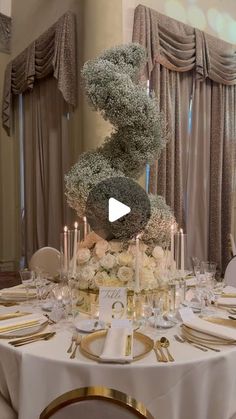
{"x":128,"y":345}
{"x":36,"y":339}
{"x":33,"y":336}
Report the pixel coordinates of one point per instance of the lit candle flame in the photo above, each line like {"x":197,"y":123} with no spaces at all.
{"x":76,"y":225}
{"x":65,"y":229}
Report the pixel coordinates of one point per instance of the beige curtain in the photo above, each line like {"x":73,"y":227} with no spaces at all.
{"x":5,"y":33}
{"x":173,"y":91}
{"x":195,"y":169}
{"x":47,"y":157}
{"x":53,"y":53}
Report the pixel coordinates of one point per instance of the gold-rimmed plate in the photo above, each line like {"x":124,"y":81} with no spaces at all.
{"x":24,"y":332}
{"x":206,"y":338}
{"x":92,"y":345}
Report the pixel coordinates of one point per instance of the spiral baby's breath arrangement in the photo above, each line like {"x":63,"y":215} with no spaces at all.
{"x":111,"y":84}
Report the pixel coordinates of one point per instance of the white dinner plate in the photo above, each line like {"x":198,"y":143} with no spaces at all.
{"x":89,"y":325}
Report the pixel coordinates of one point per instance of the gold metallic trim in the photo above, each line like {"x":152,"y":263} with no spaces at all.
{"x":96,"y":393}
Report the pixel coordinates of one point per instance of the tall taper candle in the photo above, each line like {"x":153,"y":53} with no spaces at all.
{"x":65,"y":248}
{"x":75,"y":249}
{"x":182,"y":249}
{"x":172,"y":246}
{"x":137,"y":264}
{"x":85,"y":227}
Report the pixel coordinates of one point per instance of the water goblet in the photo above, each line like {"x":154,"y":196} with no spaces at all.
{"x":27,"y":279}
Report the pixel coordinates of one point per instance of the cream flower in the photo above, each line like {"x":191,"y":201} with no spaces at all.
{"x":101,"y":277}
{"x":101,"y":247}
{"x":158,"y":253}
{"x":87,"y":273}
{"x":108,"y":261}
{"x":83,"y":255}
{"x":125,"y":259}
{"x":115,"y":246}
{"x":125,"y":274}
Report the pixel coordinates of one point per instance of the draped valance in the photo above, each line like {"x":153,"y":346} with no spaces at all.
{"x":181,"y":47}
{"x":53,"y":53}
{"x":5,"y":33}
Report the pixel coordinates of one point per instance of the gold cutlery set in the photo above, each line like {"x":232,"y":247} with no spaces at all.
{"x":21,"y":326}
{"x":200,"y":346}
{"x":75,"y":341}
{"x":159,"y":347}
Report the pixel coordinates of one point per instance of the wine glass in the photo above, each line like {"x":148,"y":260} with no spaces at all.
{"x":27,"y":279}
{"x":146,"y":309}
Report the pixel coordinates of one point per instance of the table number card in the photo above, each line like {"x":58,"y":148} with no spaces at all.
{"x":112,"y":303}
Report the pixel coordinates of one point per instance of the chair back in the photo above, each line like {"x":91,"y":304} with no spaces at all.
{"x":47,"y":260}
{"x":230,"y":273}
{"x":233,"y":246}
{"x":95,"y":403}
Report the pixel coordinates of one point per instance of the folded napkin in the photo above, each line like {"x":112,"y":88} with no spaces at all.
{"x":17,"y":291}
{"x":194,"y":322}
{"x":118,"y":345}
{"x":10,"y":323}
{"x":226,"y":301}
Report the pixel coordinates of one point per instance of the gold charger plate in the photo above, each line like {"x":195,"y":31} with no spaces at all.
{"x":91,"y":345}
{"x":221,"y":321}
{"x":27,"y":331}
{"x":201,"y":337}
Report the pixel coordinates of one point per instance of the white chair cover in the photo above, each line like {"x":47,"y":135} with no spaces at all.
{"x":230,"y":273}
{"x":47,"y":260}
{"x":233,"y":246}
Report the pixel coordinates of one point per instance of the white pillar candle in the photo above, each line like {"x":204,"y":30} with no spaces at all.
{"x":137,"y":264}
{"x":172,"y":246}
{"x":182,"y":249}
{"x":85,"y":227}
{"x":75,"y":249}
{"x":65,"y":248}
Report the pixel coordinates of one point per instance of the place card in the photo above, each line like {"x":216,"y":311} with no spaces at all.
{"x":112,"y":303}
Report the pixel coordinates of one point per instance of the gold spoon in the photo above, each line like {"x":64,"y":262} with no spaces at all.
{"x":159,"y":346}
{"x":165,"y":344}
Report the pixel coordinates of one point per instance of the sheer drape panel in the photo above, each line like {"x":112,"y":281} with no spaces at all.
{"x":47,"y":159}
{"x":173,"y":91}
{"x":222,"y":149}
{"x":194,"y":171}
{"x":198,"y":173}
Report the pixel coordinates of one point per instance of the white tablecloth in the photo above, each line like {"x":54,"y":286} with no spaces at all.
{"x":198,"y":385}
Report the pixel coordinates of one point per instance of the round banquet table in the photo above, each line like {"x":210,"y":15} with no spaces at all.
{"x":198,"y":385}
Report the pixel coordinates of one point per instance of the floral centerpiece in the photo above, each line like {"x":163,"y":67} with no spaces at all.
{"x":112,"y":85}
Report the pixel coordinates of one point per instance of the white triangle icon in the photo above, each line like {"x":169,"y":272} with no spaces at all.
{"x":116,"y":209}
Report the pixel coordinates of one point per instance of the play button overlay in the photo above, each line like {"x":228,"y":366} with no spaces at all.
{"x":117,"y":208}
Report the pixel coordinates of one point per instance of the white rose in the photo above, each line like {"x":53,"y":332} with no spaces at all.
{"x":87,"y":273}
{"x":101,"y":247}
{"x":115,"y":246}
{"x":108,"y":261}
{"x":101,"y":277}
{"x":125,"y":259}
{"x":158,"y":253}
{"x":125,"y":274}
{"x":83,"y":255}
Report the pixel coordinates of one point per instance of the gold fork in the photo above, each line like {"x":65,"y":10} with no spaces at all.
{"x":73,"y":339}
{"x":77,"y":342}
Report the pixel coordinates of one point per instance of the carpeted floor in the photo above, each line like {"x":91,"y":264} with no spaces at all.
{"x":9,"y":279}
